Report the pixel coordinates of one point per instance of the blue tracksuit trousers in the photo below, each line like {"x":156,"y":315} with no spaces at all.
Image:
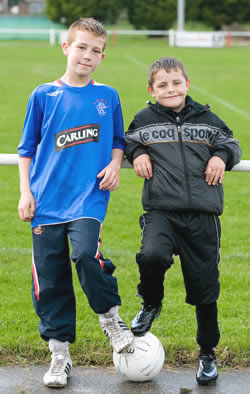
{"x":52,"y":287}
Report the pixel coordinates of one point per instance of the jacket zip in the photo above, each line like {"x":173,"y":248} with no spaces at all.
{"x":178,"y":124}
{"x":184,"y":163}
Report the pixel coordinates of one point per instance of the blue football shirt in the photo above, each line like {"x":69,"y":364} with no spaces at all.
{"x":69,"y":132}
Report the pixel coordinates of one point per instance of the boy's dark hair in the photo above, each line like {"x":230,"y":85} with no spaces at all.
{"x":90,"y":25}
{"x":168,"y":64}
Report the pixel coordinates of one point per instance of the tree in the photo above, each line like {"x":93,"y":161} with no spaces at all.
{"x":218,"y":13}
{"x":152,"y":14}
{"x":12,"y":3}
{"x":54,"y":10}
{"x":69,"y":11}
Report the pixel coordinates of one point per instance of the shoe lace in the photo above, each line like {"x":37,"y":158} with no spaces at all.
{"x":113,"y":329}
{"x":148,"y":308}
{"x":58,"y":364}
{"x":208,"y":364}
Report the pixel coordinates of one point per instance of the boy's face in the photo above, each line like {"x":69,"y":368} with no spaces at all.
{"x":170,"y":89}
{"x":84,"y":54}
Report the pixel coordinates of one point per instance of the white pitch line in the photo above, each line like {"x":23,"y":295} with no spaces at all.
{"x":223,"y":102}
{"x":135,"y":61}
{"x":200,"y":90}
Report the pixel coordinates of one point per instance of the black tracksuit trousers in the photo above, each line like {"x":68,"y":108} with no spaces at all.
{"x":195,"y":237}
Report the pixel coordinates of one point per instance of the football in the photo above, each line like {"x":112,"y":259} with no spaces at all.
{"x":142,"y":360}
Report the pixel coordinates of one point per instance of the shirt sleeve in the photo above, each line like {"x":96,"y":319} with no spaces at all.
{"x":118,"y":139}
{"x":31,"y":134}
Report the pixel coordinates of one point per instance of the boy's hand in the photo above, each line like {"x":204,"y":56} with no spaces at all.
{"x":111,"y":177}
{"x":26,"y":207}
{"x":143,"y":166}
{"x":215,"y":170}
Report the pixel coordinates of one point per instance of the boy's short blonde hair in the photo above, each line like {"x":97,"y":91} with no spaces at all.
{"x":90,"y":25}
{"x":168,"y":64}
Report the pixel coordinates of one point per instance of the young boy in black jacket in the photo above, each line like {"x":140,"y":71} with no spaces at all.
{"x":181,"y":149}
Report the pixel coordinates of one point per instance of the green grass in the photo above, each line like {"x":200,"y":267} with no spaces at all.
{"x":221,"y":74}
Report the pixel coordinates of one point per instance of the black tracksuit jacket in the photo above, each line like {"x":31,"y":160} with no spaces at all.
{"x":180,"y":145}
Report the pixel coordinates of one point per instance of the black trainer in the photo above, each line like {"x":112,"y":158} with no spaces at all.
{"x":207,"y":370}
{"x":144,"y":319}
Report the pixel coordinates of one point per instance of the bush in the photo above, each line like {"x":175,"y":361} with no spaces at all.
{"x":106,"y":11}
{"x":218,"y":13}
{"x":152,"y":14}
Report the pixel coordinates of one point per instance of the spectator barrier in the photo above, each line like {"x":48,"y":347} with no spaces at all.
{"x":9,"y":159}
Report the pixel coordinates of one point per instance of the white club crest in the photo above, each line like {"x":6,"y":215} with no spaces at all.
{"x":101,"y":107}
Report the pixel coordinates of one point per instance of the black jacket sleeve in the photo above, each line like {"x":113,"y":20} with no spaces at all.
{"x":133,"y":143}
{"x":225,"y":146}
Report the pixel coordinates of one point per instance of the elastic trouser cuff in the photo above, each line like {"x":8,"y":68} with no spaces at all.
{"x":108,"y":315}
{"x":207,"y":352}
{"x":208,"y":333}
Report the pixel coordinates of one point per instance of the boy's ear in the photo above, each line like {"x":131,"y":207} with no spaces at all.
{"x":150,"y":91}
{"x":188,"y":83}
{"x":103,"y":56}
{"x":65,"y":48}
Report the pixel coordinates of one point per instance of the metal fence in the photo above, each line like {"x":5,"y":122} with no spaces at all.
{"x":8,"y":159}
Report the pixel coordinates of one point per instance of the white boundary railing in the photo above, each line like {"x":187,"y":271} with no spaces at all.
{"x":55,"y":35}
{"x":8,"y":159}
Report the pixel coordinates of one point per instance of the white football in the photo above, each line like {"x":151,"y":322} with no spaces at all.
{"x":142,"y":360}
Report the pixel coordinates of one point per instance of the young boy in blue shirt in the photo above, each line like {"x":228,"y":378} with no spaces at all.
{"x":69,"y":160}
{"x":181,"y":149}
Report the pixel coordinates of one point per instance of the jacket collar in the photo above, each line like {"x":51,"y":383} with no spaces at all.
{"x":191,"y":108}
